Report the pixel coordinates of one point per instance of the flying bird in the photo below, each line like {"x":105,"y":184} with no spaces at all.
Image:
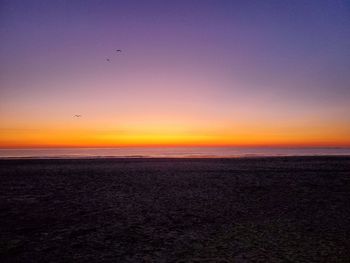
{"x":77,"y":116}
{"x":119,"y":50}
{"x":108,"y":60}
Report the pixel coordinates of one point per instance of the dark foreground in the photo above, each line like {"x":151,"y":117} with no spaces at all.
{"x":175,"y":210}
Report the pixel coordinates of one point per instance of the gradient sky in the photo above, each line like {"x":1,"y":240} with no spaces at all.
{"x":191,"y":73}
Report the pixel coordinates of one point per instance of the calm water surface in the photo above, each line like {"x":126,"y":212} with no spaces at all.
{"x":176,"y":152}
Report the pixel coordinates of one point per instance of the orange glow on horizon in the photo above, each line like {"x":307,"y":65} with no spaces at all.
{"x":163,"y":136}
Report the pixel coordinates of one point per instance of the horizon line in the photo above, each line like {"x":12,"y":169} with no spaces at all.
{"x":19,"y":147}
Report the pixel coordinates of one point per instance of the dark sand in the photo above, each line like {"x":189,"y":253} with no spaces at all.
{"x":293,"y":209}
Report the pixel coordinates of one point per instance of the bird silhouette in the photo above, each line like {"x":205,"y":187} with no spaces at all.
{"x":108,"y":60}
{"x":77,"y":116}
{"x":119,"y":50}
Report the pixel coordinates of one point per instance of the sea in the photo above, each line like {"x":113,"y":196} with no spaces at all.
{"x":169,"y":152}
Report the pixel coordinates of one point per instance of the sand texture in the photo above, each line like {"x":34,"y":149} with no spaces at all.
{"x":292,"y":209}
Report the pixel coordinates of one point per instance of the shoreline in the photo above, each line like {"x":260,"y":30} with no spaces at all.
{"x":172,"y":157}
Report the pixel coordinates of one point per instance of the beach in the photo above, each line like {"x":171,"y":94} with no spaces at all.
{"x":271,"y":209}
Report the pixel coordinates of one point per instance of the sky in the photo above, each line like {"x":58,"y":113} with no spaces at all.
{"x":193,"y":72}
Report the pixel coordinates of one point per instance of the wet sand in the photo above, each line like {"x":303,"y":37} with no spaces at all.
{"x":292,"y":209}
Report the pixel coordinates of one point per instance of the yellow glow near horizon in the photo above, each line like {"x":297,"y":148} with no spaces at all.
{"x":173,"y":135}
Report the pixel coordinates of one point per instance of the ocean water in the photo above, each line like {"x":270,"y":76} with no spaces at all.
{"x":170,"y":152}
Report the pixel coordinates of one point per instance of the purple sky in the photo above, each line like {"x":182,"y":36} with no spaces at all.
{"x":277,"y":66}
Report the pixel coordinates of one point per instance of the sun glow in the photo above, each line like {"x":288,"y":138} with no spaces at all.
{"x":163,"y":135}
